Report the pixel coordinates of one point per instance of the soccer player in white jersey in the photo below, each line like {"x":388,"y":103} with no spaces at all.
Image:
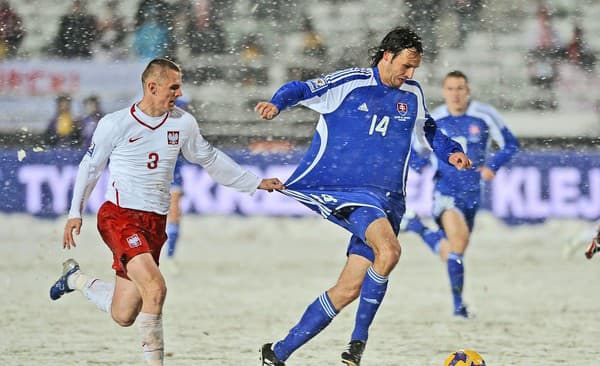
{"x":142,"y":143}
{"x":354,"y":175}
{"x":457,"y":195}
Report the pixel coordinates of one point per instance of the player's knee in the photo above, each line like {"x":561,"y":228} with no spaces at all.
{"x":389,"y":255}
{"x":124,"y":320}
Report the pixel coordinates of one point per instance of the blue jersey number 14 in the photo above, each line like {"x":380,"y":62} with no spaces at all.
{"x":380,"y":126}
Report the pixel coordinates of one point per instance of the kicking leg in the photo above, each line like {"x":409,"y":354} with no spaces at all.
{"x":322,"y":311}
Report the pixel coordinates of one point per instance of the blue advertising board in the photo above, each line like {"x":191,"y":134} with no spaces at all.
{"x":535,"y":186}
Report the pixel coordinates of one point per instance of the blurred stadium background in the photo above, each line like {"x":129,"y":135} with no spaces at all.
{"x":235,"y":53}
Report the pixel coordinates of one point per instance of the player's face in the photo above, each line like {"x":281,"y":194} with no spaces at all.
{"x":456,"y":93}
{"x":394,"y":70}
{"x":168,"y":89}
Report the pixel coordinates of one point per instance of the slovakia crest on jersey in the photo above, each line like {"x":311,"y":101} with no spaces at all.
{"x":134,"y":241}
{"x":474,"y":130}
{"x":173,"y":137}
{"x":402,"y":108}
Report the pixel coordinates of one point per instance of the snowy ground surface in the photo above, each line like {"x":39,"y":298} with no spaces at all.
{"x":244,"y":281}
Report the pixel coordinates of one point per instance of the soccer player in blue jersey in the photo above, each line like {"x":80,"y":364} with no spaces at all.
{"x":174,"y":215}
{"x":354,"y":174}
{"x":457,"y":194}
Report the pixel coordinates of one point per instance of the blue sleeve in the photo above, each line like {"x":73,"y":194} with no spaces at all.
{"x":290,"y":94}
{"x":442,"y":145}
{"x":502,"y":156}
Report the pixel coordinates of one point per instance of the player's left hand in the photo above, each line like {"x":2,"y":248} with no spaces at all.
{"x":460,"y":161}
{"x":271,"y":184}
{"x":486,"y":173}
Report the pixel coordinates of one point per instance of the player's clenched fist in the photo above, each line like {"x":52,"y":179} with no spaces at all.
{"x":460,"y":161}
{"x":72,"y":224}
{"x":270,"y":184}
{"x":266,"y":110}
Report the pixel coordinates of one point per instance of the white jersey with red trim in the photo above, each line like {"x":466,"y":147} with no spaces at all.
{"x":142,"y":152}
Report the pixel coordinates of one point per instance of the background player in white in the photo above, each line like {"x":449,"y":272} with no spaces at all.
{"x":142,"y":143}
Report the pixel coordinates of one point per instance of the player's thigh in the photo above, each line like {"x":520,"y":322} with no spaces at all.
{"x":456,"y":228}
{"x":146,"y":276}
{"x":127,"y":301}
{"x":348,"y":285}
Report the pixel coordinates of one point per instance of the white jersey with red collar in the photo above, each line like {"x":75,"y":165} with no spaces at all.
{"x":142,"y":152}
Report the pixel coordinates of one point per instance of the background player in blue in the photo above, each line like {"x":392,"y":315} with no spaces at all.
{"x":458,"y":193}
{"x":174,"y":215}
{"x":354,"y":175}
{"x":176,"y":190}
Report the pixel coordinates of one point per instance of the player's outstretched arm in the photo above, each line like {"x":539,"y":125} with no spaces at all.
{"x":270,"y":184}
{"x":266,"y":110}
{"x":460,"y":161}
{"x":72,"y":224}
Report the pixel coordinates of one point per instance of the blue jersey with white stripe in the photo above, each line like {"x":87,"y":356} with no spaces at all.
{"x":363,"y":137}
{"x":475,"y":130}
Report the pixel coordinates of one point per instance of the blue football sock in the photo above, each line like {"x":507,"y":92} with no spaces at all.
{"x":456,"y":272}
{"x":316,"y":317}
{"x":416,"y":225}
{"x":173,"y":235}
{"x":433,"y":239}
{"x":371,"y":294}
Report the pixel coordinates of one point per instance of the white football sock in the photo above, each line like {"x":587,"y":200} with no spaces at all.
{"x":151,"y":333}
{"x":97,"y":291}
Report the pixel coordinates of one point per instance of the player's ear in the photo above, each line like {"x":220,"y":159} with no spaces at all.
{"x":152,"y":87}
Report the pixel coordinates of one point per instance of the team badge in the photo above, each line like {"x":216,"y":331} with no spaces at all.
{"x":173,"y":137}
{"x":402,"y":108}
{"x":90,"y":150}
{"x":474,"y":130}
{"x":134,"y":241}
{"x":316,"y":84}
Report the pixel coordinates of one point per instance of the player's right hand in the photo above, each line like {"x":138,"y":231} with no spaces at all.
{"x":266,"y":110}
{"x":271,"y":184}
{"x":72,"y":224}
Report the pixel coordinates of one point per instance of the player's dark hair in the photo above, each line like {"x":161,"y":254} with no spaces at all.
{"x":457,"y":74}
{"x":398,"y":39}
{"x":160,"y":63}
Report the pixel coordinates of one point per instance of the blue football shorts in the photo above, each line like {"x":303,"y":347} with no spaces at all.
{"x":353,"y":210}
{"x":467,"y":204}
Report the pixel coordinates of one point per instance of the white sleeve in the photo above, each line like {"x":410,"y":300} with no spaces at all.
{"x":218,"y":165}
{"x":91,"y":167}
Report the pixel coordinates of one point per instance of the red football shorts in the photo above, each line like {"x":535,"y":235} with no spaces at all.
{"x":130,"y":232}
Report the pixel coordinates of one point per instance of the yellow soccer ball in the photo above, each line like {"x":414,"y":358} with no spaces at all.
{"x":464,"y":357}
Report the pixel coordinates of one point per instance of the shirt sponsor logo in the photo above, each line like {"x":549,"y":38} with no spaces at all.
{"x":402,"y":108}
{"x":316,"y":84}
{"x":134,"y":241}
{"x":173,"y":137}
